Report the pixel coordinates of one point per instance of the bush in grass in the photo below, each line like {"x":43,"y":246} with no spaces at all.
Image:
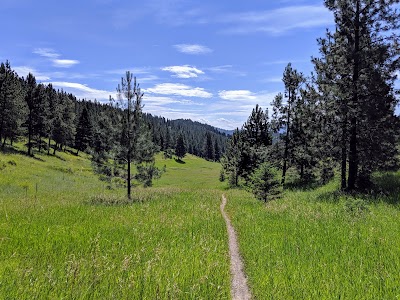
{"x":355,"y":207}
{"x":222,"y":175}
{"x":146,"y":173}
{"x":265,"y":182}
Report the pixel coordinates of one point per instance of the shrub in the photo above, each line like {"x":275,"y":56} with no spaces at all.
{"x":265,"y":182}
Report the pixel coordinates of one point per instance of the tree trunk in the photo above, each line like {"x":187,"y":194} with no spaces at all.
{"x":353,"y":157}
{"x":286,"y":153}
{"x":344,"y":152}
{"x":40,"y":143}
{"x":49,"y":145}
{"x":302,"y":171}
{"x":30,"y":133}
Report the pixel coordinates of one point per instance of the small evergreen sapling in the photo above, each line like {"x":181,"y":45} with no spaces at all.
{"x":265,"y":182}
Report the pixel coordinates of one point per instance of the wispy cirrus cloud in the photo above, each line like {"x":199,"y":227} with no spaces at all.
{"x":279,"y":21}
{"x":54,"y":57}
{"x":184,"y":71}
{"x":82,"y":91}
{"x":194,"y":49}
{"x":46,"y":52}
{"x":178,"y":89}
{"x":25,"y":70}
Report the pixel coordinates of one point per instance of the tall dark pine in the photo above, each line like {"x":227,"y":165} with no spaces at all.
{"x":41,"y":114}
{"x":217,"y":151}
{"x":53,"y":112}
{"x":12,"y":106}
{"x":359,"y":59}
{"x":283,"y":113}
{"x":180,"y":148}
{"x":208,"y":147}
{"x":84,"y":131}
{"x":257,"y":128}
{"x":30,"y":99}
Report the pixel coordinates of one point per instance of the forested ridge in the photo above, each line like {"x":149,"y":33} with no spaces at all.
{"x":54,"y":119}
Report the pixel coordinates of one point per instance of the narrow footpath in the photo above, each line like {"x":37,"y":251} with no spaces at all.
{"x":239,"y":288}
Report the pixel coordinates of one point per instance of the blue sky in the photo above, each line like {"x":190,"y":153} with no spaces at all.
{"x":210,"y":61}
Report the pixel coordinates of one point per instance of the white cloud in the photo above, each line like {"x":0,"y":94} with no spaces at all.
{"x":237,"y":95}
{"x":24,"y":71}
{"x":221,"y":69}
{"x":163,"y":100}
{"x":193,"y":49}
{"x":53,"y":56}
{"x":279,"y":20}
{"x":83,"y":91}
{"x":178,"y":89}
{"x":46,"y":52}
{"x":64,"y":63}
{"x":277,"y":79}
{"x":184,"y":71}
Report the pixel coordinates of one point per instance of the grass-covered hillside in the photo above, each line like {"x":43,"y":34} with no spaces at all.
{"x":57,"y":241}
{"x":61,"y":239}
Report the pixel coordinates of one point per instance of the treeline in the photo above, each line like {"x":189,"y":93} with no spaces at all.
{"x":342,"y":117}
{"x":51,"y":119}
{"x":200,"y":139}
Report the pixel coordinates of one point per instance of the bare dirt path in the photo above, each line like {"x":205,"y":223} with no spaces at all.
{"x":239,"y":288}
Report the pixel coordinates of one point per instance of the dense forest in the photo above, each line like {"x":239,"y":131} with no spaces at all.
{"x":339,"y":118}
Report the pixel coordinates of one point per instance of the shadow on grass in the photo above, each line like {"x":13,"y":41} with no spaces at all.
{"x":386,"y":188}
{"x":180,"y":161}
{"x":12,"y":150}
{"x":301,"y":185}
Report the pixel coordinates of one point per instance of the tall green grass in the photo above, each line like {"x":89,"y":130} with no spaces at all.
{"x":319,"y":245}
{"x":59,"y":239}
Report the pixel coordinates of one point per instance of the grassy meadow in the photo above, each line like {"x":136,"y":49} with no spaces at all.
{"x":319,"y":244}
{"x":58,"y":240}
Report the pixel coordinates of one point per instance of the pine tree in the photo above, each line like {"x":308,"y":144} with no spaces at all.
{"x":208,"y":147}
{"x":30,"y":87}
{"x":64,"y":122}
{"x":84,"y":131}
{"x":284,"y":113}
{"x":180,"y":148}
{"x":41,"y":118}
{"x":360,"y":58}
{"x":52,"y":115}
{"x":134,"y":139}
{"x":257,"y":128}
{"x":12,"y":106}
{"x":265,"y":182}
{"x":235,"y":160}
{"x":217,"y":151}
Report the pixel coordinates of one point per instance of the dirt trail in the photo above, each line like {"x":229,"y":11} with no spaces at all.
{"x":239,"y":288}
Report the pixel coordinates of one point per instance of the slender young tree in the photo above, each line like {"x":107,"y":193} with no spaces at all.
{"x":283,"y":113}
{"x":130,"y":98}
